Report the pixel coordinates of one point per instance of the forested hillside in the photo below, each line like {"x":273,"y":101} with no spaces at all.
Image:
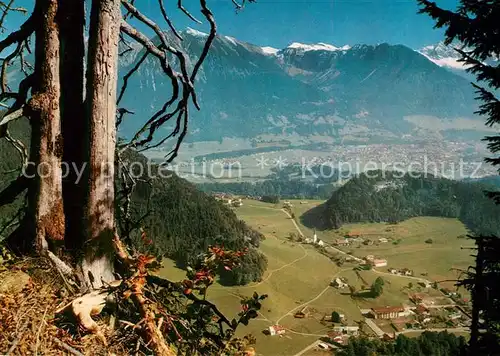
{"x":379,"y":196}
{"x":290,"y":182}
{"x":10,"y":163}
{"x":183,"y":222}
{"x":428,"y":343}
{"x":180,"y":220}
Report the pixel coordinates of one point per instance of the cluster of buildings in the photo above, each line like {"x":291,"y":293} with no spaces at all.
{"x":314,"y":240}
{"x":354,"y":236}
{"x":403,"y":272}
{"x":275,"y":330}
{"x":388,"y":312}
{"x":341,"y":334}
{"x":228,"y":199}
{"x":339,"y":283}
{"x":424,"y":312}
{"x":375,"y":262}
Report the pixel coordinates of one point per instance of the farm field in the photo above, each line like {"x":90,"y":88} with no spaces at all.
{"x":441,"y":260}
{"x":299,"y":275}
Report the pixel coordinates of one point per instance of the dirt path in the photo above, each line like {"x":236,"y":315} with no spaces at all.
{"x":294,"y":223}
{"x":313,"y":299}
{"x":278,"y":269}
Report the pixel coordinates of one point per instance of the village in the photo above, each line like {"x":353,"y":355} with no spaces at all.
{"x":427,"y":306}
{"x":449,"y":311}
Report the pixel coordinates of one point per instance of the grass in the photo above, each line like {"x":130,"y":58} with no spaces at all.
{"x":295,"y":275}
{"x":441,"y":260}
{"x":299,"y":275}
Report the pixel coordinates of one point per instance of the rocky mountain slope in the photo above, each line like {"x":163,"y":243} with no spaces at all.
{"x":246,"y":90}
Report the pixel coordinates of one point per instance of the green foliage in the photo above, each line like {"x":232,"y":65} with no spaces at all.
{"x":335,"y":317}
{"x":475,"y":24}
{"x":429,"y":241}
{"x":10,"y":164}
{"x":191,"y":323}
{"x":273,"y":199}
{"x":377,"y":287}
{"x":427,"y":344}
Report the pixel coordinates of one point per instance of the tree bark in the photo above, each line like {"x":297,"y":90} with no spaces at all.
{"x":102,"y":68}
{"x":45,"y":195}
{"x":71,"y":19}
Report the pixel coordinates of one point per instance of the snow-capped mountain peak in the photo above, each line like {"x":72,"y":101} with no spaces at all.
{"x":443,"y":55}
{"x":231,"y":39}
{"x":271,"y":51}
{"x":193,"y":32}
{"x":317,"y":47}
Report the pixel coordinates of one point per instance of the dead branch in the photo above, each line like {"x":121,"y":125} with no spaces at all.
{"x":181,"y":112}
{"x":127,"y":76}
{"x":121,"y":114}
{"x":19,"y":147}
{"x":67,"y":347}
{"x":183,"y":9}
{"x":167,"y":19}
{"x":152,"y":333}
{"x":5,"y":12}
{"x":25,"y":30}
{"x":213,"y":31}
{"x":18,"y":338}
{"x":11,"y":117}
{"x":161,"y":35}
{"x":5,"y":64}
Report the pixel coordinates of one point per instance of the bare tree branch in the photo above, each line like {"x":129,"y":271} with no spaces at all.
{"x":129,"y":74}
{"x":161,"y":52}
{"x":183,"y":9}
{"x":167,"y":19}
{"x":20,"y":35}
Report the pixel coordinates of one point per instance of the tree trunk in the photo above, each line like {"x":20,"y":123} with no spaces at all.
{"x":101,"y":85}
{"x":45,"y":195}
{"x":71,"y":21}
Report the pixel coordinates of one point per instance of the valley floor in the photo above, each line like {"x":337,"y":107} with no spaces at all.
{"x":299,"y":275}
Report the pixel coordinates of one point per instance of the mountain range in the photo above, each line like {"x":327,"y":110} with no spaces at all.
{"x":369,"y":93}
{"x":316,"y":92}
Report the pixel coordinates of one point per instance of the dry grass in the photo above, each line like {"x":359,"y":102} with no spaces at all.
{"x":28,"y":325}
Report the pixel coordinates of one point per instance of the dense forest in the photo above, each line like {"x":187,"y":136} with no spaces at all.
{"x":290,"y":182}
{"x":10,"y":163}
{"x":286,"y":189}
{"x":379,"y":196}
{"x":180,"y":220}
{"x":183,"y":222}
{"x":428,"y":344}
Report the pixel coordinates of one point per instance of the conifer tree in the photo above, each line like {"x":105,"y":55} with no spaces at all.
{"x":474,"y":30}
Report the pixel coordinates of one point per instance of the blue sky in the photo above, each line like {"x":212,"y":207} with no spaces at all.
{"x":277,"y":23}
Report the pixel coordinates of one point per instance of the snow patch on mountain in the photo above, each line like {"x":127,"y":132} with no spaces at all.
{"x":443,"y":56}
{"x":193,"y":32}
{"x":317,"y":47}
{"x":231,"y":39}
{"x":271,"y":51}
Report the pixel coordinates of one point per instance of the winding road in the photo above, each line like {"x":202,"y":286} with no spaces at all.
{"x":306,"y":254}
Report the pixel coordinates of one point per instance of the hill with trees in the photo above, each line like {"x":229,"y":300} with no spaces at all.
{"x":428,"y":343}
{"x":181,"y":221}
{"x":379,"y":196}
